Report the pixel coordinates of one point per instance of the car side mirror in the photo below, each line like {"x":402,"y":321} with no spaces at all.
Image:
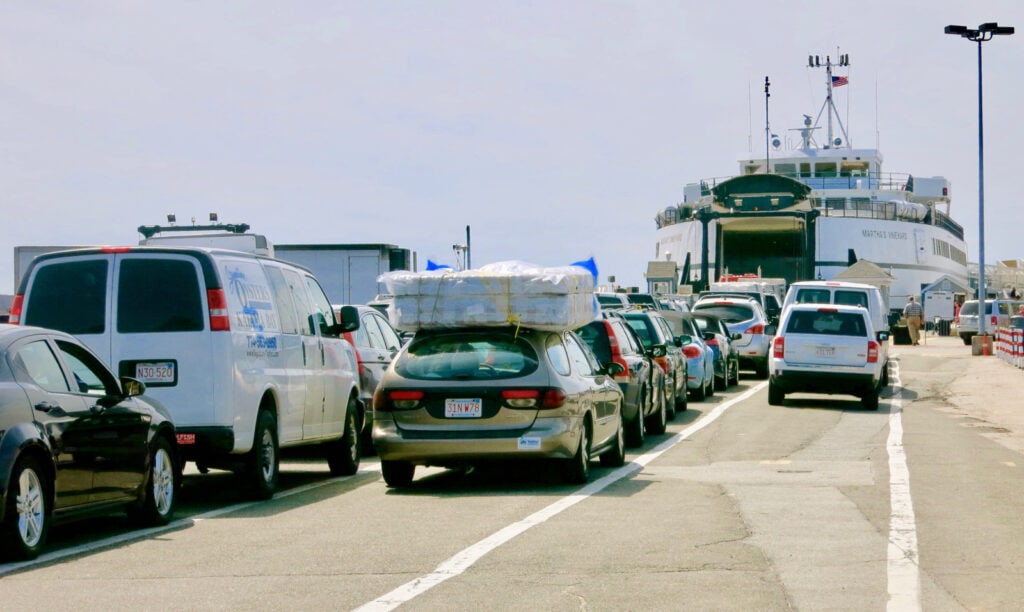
{"x":349,"y":320}
{"x":659,"y":350}
{"x":709,"y":335}
{"x":736,"y":336}
{"x":771,"y":329}
{"x":882,"y":336}
{"x":683,"y":340}
{"x":132,"y":387}
{"x":613,"y":369}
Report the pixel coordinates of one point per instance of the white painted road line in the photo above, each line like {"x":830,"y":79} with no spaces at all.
{"x":463,"y":560}
{"x":904,"y":576}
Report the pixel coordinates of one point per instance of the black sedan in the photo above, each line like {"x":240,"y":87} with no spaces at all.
{"x":75,"y":439}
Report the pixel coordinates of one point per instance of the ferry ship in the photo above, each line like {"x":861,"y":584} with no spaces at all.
{"x":810,"y":212}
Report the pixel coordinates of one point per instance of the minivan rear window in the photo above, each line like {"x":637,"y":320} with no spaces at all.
{"x":69,"y":296}
{"x":466,"y":356}
{"x":158,"y":295}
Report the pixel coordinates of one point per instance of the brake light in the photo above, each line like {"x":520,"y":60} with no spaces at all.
{"x":712,"y":342}
{"x":691,"y":351}
{"x":553,"y":398}
{"x":754,"y":330}
{"x":828,"y":310}
{"x":218,"y":304}
{"x":616,"y":351}
{"x":387,"y":401}
{"x":115,"y":249}
{"x":663,"y":362}
{"x":520,"y":398}
{"x":872,"y":351}
{"x":15,"y":316}
{"x":779,"y":348}
{"x":995,"y":321}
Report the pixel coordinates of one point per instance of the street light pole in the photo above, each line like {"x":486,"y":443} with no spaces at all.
{"x":984,"y":33}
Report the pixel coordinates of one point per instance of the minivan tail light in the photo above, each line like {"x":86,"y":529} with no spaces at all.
{"x":872,"y":351}
{"x":15,"y":316}
{"x":755,"y":329}
{"x":218,"y":304}
{"x":663,"y":362}
{"x":396,"y":400}
{"x":553,"y":398}
{"x":779,"y":348}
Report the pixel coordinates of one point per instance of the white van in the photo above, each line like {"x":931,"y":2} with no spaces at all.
{"x":243,"y":350}
{"x":849,"y":294}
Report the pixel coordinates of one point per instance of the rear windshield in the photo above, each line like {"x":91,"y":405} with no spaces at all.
{"x":730,"y":313}
{"x":971,"y":308}
{"x":826,"y":322}
{"x":596,"y":336}
{"x":467,"y":356}
{"x":69,"y":296}
{"x":609,"y":300}
{"x":851,"y":298}
{"x":813,"y":296}
{"x":644,"y":329}
{"x":641,"y":298}
{"x":158,"y":295}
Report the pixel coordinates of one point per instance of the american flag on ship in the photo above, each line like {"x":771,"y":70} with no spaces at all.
{"x":839,"y":81}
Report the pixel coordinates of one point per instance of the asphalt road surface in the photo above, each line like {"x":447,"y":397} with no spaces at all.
{"x":812,"y":505}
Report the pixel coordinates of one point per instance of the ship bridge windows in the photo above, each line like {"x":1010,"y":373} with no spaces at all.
{"x":854,"y":168}
{"x":754,"y":167}
{"x":825,"y":169}
{"x":806,"y":170}
{"x":785,"y":169}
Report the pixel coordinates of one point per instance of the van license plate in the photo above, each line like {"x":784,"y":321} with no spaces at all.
{"x":155,"y":372}
{"x":463,"y":408}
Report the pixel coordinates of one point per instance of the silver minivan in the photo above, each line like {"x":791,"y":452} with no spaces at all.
{"x":243,"y":350}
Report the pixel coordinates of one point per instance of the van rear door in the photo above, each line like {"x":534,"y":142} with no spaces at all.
{"x":160,"y":333}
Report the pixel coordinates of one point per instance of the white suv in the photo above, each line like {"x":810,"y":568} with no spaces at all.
{"x":830,"y":349}
{"x":745,"y":316}
{"x":243,"y":350}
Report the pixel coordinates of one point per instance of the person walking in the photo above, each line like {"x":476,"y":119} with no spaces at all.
{"x":914,"y":315}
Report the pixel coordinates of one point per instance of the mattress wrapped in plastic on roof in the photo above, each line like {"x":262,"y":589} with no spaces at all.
{"x":498,"y":294}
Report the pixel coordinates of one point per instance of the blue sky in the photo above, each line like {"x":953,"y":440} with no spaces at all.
{"x":556,"y":130}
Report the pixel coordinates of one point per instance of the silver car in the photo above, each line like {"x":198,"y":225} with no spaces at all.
{"x":458,"y":397}
{"x":744,"y":316}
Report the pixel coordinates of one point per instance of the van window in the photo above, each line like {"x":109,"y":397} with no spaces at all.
{"x":158,"y":295}
{"x":69,"y":296}
{"x":321,"y":305}
{"x":304,"y":310}
{"x":851,"y":298}
{"x":813,"y":296}
{"x":283,"y":298}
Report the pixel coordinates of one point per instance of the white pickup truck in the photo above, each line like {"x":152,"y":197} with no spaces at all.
{"x":831,"y":349}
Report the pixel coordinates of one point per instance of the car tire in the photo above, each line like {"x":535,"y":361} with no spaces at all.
{"x":616,"y":455}
{"x":636,"y":428}
{"x":680,"y":404}
{"x":722,"y":383}
{"x":659,"y":419}
{"x":263,"y":462}
{"x":699,"y":394}
{"x":672,"y":400}
{"x":870,"y":400}
{"x":761,"y":369}
{"x":775,"y":394}
{"x":157,"y":507}
{"x":710,"y":392}
{"x":734,"y":379}
{"x":576,"y":470}
{"x":397,"y":474}
{"x":343,"y":454}
{"x":23,"y":532}
{"x":885,"y":375}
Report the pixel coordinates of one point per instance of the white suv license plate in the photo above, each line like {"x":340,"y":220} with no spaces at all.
{"x":472,"y":408}
{"x":826,"y":351}
{"x":155,"y":372}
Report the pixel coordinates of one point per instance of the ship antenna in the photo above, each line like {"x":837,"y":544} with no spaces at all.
{"x":829,"y":105}
{"x":767,"y":128}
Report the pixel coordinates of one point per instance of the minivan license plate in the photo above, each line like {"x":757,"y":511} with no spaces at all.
{"x":463,"y":408}
{"x":155,"y":371}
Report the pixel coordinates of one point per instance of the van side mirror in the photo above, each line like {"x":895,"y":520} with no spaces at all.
{"x":882,"y":336}
{"x":349,"y":320}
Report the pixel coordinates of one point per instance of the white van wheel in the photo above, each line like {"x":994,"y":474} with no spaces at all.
{"x":262,"y":466}
{"x":343,"y":454}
